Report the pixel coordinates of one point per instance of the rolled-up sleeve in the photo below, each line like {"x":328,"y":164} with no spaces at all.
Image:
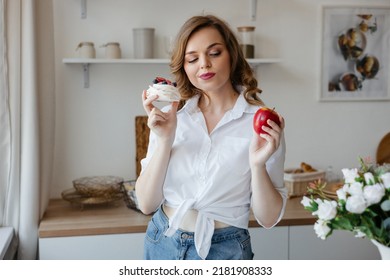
{"x":275,"y":169}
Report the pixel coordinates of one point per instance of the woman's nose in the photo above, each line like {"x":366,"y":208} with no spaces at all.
{"x":205,"y":63}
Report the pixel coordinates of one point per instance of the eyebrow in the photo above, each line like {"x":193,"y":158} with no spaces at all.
{"x":209,"y":47}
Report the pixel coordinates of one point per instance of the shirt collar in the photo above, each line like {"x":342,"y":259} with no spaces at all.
{"x":241,"y":106}
{"x":191,"y":105}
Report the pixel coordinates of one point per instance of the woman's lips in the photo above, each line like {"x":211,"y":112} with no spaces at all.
{"x":207,"y":76}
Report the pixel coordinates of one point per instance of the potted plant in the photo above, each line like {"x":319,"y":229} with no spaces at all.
{"x":362,"y":205}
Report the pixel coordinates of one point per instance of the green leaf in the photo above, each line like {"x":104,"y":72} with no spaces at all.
{"x":342,"y":203}
{"x":366,"y":231}
{"x":369,"y":212}
{"x":369,"y":227}
{"x":385,"y":205}
{"x":342,"y":223}
{"x":373,"y":229}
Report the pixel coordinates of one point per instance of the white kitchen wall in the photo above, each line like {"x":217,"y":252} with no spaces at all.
{"x":95,"y":132}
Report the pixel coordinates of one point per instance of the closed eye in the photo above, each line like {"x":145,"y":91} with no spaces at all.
{"x":214,"y":54}
{"x":192,"y":60}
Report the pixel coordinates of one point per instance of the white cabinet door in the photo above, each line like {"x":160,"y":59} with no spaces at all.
{"x":341,"y":245}
{"x":93,"y":247}
{"x":278,"y":243}
{"x":269,"y":244}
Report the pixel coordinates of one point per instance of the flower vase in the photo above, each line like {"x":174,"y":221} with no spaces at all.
{"x":383,"y":250}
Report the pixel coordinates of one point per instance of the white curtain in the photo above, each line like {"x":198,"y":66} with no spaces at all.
{"x":26,"y":117}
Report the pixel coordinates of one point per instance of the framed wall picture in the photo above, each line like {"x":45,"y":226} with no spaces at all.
{"x":355,"y":53}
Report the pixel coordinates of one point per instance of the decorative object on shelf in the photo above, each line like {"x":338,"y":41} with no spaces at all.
{"x":95,"y":190}
{"x":143,"y":39}
{"x":247,"y":40}
{"x":362,"y":205}
{"x":113,"y":50}
{"x":355,"y":53}
{"x":86,"y":50}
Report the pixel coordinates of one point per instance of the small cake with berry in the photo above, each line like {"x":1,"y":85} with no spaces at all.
{"x":164,"y":89}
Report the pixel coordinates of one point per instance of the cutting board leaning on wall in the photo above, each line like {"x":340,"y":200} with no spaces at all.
{"x":142,"y":140}
{"x":383,"y":150}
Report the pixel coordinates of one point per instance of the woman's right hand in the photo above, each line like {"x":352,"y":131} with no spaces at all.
{"x":163,"y":124}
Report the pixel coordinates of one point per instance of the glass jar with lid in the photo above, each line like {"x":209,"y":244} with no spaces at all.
{"x":247,"y":40}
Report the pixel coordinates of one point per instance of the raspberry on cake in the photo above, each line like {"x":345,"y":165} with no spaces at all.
{"x":164,"y":89}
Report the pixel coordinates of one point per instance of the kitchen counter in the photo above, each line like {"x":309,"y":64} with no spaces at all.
{"x":68,"y":232}
{"x":62,"y":219}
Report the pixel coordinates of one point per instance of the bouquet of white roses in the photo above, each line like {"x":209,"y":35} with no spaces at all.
{"x":362,"y":205}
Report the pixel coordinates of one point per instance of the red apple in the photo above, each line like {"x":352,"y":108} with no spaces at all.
{"x":262,"y":116}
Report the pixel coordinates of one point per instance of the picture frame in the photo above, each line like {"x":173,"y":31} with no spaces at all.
{"x":355,"y":53}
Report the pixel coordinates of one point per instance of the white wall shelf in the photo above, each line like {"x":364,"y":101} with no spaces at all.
{"x":86,"y":62}
{"x":252,"y":61}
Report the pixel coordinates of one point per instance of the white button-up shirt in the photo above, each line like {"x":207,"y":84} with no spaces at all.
{"x":210,"y":172}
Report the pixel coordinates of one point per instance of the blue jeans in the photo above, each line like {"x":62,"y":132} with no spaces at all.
{"x":230,"y":243}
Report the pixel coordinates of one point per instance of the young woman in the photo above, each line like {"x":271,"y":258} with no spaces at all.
{"x":205,"y":167}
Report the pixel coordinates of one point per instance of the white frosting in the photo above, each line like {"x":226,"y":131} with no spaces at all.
{"x":167,"y":93}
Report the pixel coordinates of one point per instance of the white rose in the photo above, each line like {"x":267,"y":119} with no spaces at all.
{"x":326,"y":210}
{"x":369,"y":178}
{"x":321,"y":229}
{"x":373,"y":193}
{"x":356,"y":204}
{"x":342,"y":192}
{"x":318,"y":201}
{"x":386,"y":180}
{"x":356,"y":188}
{"x":306,"y":202}
{"x":350,"y":174}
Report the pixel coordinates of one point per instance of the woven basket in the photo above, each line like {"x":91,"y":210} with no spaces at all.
{"x":98,"y":186}
{"x":297,"y":183}
{"x":73,"y":196}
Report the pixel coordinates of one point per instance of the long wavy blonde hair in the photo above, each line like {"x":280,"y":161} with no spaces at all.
{"x":241,"y":74}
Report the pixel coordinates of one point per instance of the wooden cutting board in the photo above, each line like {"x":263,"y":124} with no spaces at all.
{"x":383,"y":150}
{"x":142,"y":140}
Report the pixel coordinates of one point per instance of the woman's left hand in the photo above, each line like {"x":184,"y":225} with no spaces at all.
{"x":265,"y":144}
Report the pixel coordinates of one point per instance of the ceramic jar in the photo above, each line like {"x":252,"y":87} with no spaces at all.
{"x":86,"y":50}
{"x":113,"y":50}
{"x":143,"y":42}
